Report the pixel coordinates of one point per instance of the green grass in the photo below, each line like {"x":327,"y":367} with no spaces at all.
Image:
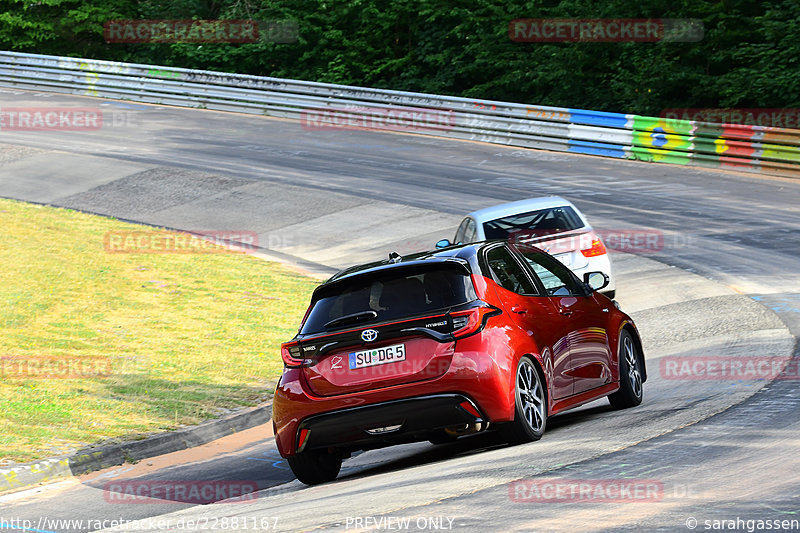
{"x":184,"y":335}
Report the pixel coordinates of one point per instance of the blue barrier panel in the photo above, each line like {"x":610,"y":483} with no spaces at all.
{"x":598,"y":118}
{"x":593,"y":148}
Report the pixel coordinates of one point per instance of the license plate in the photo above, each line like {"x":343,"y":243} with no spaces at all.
{"x":566,"y":259}
{"x":377,"y":356}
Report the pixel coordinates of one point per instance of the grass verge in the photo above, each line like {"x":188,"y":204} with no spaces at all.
{"x":98,"y":345}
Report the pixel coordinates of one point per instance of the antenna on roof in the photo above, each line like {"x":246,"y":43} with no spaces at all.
{"x":394,"y":257}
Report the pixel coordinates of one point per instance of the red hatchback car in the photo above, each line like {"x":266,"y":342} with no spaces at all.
{"x":437,"y":345}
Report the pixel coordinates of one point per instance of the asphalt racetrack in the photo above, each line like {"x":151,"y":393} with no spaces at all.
{"x":722,"y":280}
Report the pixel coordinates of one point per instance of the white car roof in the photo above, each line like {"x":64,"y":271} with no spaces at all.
{"x":522,"y":206}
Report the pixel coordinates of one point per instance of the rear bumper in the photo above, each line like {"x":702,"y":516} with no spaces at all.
{"x":393,"y":422}
{"x":480,"y":370}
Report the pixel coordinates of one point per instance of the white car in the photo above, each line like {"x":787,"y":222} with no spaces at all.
{"x":552,"y":224}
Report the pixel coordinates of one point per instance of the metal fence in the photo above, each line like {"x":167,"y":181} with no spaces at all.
{"x":323,"y":105}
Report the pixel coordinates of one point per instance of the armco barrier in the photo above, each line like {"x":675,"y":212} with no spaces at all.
{"x":736,"y":147}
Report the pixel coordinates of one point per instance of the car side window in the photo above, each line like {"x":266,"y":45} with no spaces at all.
{"x":557,"y":279}
{"x":462,"y":228}
{"x":507,"y":272}
{"x":469,"y":233}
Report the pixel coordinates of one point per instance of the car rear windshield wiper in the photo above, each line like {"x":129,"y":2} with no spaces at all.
{"x":355,"y":317}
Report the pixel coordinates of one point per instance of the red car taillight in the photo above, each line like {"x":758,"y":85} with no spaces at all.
{"x":291,"y":354}
{"x":302,"y":439}
{"x":470,"y":408}
{"x":466,"y":323}
{"x":597,"y":248}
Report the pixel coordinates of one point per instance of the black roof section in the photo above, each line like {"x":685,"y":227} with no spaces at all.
{"x":458,"y":254}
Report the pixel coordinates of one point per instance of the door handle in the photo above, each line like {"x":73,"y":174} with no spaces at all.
{"x":565,"y":312}
{"x":519,"y":310}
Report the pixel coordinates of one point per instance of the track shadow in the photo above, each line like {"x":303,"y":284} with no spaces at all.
{"x":465,"y":446}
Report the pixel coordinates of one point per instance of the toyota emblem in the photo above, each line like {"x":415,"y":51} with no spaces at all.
{"x":369,"y":335}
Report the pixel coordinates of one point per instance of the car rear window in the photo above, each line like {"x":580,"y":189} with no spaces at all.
{"x":394,"y":294}
{"x":533,"y":224}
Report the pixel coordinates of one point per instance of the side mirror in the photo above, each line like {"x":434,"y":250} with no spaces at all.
{"x":596,"y":280}
{"x":444,"y":243}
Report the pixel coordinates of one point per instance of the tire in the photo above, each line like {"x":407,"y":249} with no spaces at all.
{"x":315,"y":466}
{"x":630,"y":376}
{"x":530,"y":400}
